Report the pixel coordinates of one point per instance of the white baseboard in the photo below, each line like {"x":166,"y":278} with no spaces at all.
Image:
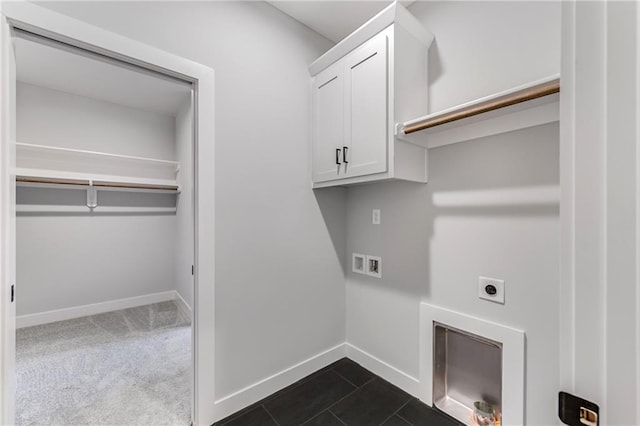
{"x":182,"y":304}
{"x":404,"y":381}
{"x":92,"y":309}
{"x":243,"y":398}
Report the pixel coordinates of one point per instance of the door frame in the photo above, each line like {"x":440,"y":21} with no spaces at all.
{"x":600,"y":207}
{"x":41,"y":21}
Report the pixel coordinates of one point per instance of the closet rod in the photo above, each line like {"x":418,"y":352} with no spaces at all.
{"x":78,"y":182}
{"x":513,"y":98}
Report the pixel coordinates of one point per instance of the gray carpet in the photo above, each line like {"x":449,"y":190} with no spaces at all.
{"x":128,"y":367}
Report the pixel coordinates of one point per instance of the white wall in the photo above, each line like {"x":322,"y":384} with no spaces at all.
{"x":67,"y":261}
{"x":434,"y":239}
{"x":184,"y":249}
{"x":484,"y":47}
{"x":279,"y":280}
{"x":51,"y":117}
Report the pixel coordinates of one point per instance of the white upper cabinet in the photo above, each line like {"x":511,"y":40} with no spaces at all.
{"x":328,"y":122}
{"x":366,"y":108}
{"x":362,"y":87}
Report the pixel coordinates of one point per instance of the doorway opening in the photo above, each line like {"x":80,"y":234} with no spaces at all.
{"x":105,"y":239}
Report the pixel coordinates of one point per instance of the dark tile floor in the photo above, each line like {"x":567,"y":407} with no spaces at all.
{"x":343,"y":393}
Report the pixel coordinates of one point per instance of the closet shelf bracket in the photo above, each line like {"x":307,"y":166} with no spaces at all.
{"x":92,"y":196}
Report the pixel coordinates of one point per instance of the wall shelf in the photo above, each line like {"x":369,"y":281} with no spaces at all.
{"x":521,"y":107}
{"x":89,"y":163}
{"x":53,"y":167}
{"x":47,"y":165}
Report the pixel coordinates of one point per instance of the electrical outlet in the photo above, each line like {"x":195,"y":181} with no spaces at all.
{"x":491,"y":289}
{"x":374,"y":266}
{"x":375,"y":216}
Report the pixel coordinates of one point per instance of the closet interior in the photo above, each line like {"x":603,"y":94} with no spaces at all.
{"x":105,"y":238}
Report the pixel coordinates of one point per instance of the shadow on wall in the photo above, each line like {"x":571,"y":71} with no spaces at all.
{"x":491,"y":208}
{"x":478,"y":193}
{"x":401,"y":239}
{"x":512,"y":175}
{"x":333,"y":205}
{"x":435,"y":64}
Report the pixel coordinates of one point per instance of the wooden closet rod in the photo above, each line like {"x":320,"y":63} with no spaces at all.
{"x":78,"y":182}
{"x":527,"y":94}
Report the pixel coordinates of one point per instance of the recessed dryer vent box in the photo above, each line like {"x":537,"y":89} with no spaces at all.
{"x":466,"y":368}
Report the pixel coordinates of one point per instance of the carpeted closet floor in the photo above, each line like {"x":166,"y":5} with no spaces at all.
{"x":127,"y":367}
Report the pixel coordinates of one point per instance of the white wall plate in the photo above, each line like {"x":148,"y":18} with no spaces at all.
{"x":491,"y":289}
{"x":358,"y":263}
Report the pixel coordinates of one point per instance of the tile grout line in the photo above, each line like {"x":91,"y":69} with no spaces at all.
{"x":356,"y":387}
{"x":334,"y":415}
{"x":294,"y":385}
{"x":270,"y":415}
{"x":349,"y":381}
{"x":349,"y":394}
{"x":262,"y":403}
{"x":395,"y":413}
{"x":313,"y":417}
{"x":404,"y":419}
{"x":346,"y":396}
{"x":326,"y":370}
{"x":369,"y":381}
{"x":332,"y":406}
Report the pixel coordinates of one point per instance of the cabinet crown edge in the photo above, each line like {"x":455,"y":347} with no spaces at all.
{"x":395,"y":13}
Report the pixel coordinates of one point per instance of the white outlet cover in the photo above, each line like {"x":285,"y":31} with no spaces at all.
{"x":498,"y":297}
{"x":374,"y":266}
{"x":375,"y":216}
{"x":358,"y":263}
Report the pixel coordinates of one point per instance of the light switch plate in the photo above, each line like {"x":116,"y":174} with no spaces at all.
{"x":491,"y":289}
{"x":375,"y":216}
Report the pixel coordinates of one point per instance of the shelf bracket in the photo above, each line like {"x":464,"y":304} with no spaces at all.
{"x":412,"y":139}
{"x":92,"y":196}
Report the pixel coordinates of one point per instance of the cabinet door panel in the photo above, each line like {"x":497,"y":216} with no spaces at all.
{"x":366,"y":91}
{"x":328,"y":123}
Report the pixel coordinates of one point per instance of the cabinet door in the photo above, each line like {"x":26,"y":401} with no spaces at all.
{"x":328,"y":123}
{"x":366,"y":77}
{"x":366,"y":88}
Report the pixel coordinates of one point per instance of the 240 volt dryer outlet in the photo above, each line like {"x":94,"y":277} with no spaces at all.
{"x":491,"y":289}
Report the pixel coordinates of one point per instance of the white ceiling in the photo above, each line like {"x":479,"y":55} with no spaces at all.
{"x":82,"y":75}
{"x":333,"y":19}
{"x":67,"y":71}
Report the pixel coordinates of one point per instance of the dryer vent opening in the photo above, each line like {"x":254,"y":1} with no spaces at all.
{"x":467,"y":368}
